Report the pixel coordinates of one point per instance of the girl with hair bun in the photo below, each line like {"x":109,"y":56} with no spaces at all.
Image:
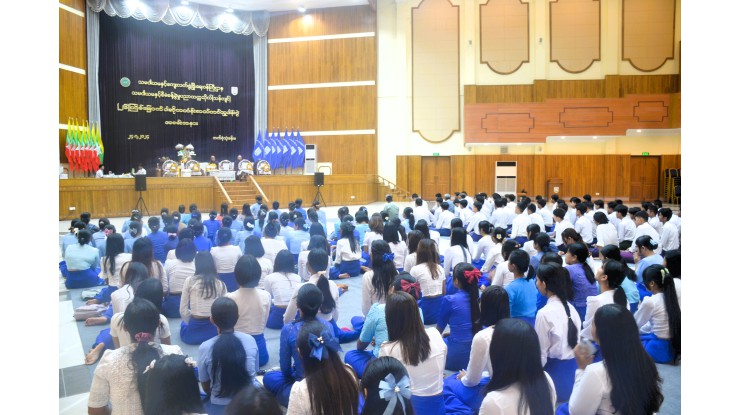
{"x":557,"y":325}
{"x":82,"y":261}
{"x":462,"y":312}
{"x":172,"y":387}
{"x":485,"y":244}
{"x":645,"y":256}
{"x":503,"y":277}
{"x":522,"y":291}
{"x":659,"y":316}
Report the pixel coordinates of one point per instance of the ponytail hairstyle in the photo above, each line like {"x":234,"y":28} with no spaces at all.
{"x":645,"y":241}
{"x":615,"y":275}
{"x":228,"y":354}
{"x":141,"y":320}
{"x":664,"y":281}
{"x":532,"y":231}
{"x":205,"y":271}
{"x":300,"y":223}
{"x":113,"y":246}
{"x":612,"y":252}
{"x":172,"y":387}
{"x":542,"y":240}
{"x":284,"y":219}
{"x":223,"y":236}
{"x":509,"y":246}
{"x":391,"y":371}
{"x":390,"y":233}
{"x":332,"y":388}
{"x":408,"y":213}
{"x":318,"y":260}
{"x":572,"y":234}
{"x":580,"y":251}
{"x":484,"y":227}
{"x":384,"y":269}
{"x":519,"y":261}
{"x":426,"y":253}
{"x":249,"y":223}
{"x":407,"y":329}
{"x":405,"y":282}
{"x":458,"y":236}
{"x":467,"y":277}
{"x":494,"y":305}
{"x":672,"y":262}
{"x":422,"y":226}
{"x":83,"y":236}
{"x":347,"y":230}
{"x":632,"y":373}
{"x":514,"y":353}
{"x":309,"y":300}
{"x":498,"y":235}
{"x":556,"y":280}
{"x":414,"y":238}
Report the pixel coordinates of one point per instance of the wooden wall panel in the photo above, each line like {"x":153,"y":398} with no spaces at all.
{"x":72,"y":96}
{"x":72,"y":40}
{"x":575,"y":89}
{"x":575,"y":34}
{"x":648,"y":33}
{"x":75,"y":4}
{"x":414,"y":174}
{"x":402,"y":172}
{"x":605,"y":177}
{"x":339,"y":58}
{"x":649,"y":84}
{"x":504,"y":35}
{"x":674,"y":116}
{"x":331,"y":21}
{"x":324,"y":109}
{"x":349,"y":154}
{"x":337,"y":190}
{"x":116,"y":197}
{"x":498,"y":93}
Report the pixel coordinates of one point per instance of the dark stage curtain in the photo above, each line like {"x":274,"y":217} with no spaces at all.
{"x":142,"y":122}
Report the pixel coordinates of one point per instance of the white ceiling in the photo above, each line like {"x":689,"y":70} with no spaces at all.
{"x":280,"y":5}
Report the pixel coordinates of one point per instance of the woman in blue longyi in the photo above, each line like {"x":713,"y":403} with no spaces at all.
{"x":462,"y":312}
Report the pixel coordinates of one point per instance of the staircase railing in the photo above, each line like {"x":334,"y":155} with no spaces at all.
{"x":259,"y":189}
{"x":223,"y":191}
{"x":394,"y":187}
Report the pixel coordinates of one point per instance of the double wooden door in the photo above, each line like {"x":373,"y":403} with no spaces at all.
{"x":435,"y":176}
{"x":644,"y":178}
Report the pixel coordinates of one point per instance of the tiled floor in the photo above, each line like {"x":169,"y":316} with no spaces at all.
{"x":75,"y":338}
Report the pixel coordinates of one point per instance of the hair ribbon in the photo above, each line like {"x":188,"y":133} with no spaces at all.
{"x":408,"y":286}
{"x":388,"y":257}
{"x":144,"y":337}
{"x":472,"y":276}
{"x":320,"y":344}
{"x":389,"y":390}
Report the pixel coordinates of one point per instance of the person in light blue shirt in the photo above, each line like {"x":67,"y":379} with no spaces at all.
{"x":280,"y":383}
{"x":276,"y":208}
{"x":645,"y":256}
{"x":522,"y":291}
{"x":361,"y":226}
{"x":71,"y":237}
{"x":313,"y":217}
{"x":158,"y":239}
{"x":299,"y":208}
{"x":135,"y":217}
{"x":299,"y":235}
{"x":98,"y":237}
{"x":286,"y":229}
{"x":212,"y":225}
{"x":249,"y":229}
{"x":236,"y":225}
{"x":256,"y":207}
{"x":228,"y":362}
{"x":82,"y":263}
{"x":320,"y":213}
{"x":185,"y":217}
{"x":133,"y":234}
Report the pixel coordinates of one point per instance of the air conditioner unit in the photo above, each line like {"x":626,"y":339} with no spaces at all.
{"x":309,"y":166}
{"x":505,"y":177}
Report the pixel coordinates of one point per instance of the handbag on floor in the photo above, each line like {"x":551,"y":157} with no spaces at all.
{"x":90,"y":293}
{"x":89,"y":310}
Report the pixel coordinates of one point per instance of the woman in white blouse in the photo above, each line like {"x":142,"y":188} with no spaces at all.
{"x":271,"y":244}
{"x":253,"y":246}
{"x":398,"y":246}
{"x":423,"y":227}
{"x":280,"y":285}
{"x":625,"y":363}
{"x":316,"y":241}
{"x":430,"y":276}
{"x":225,"y":256}
{"x":422,"y":351}
{"x":457,"y":252}
{"x":414,"y":238}
{"x":518,"y":383}
{"x":198,"y":294}
{"x":462,"y":391}
{"x":377,"y":281}
{"x":347,"y":255}
{"x":118,"y":379}
{"x":110,"y":268}
{"x":485,"y":244}
{"x":375,"y":232}
{"x":176,"y":272}
{"x":494,"y":255}
{"x":502,"y":276}
{"x":151,"y":290}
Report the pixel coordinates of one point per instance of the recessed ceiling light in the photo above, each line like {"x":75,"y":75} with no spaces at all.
{"x":301,"y":9}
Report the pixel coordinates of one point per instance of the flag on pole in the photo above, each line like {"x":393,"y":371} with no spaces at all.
{"x":96,"y":128}
{"x":291,"y":146}
{"x":68,"y":144}
{"x":257,"y":150}
{"x":274,"y":149}
{"x":300,"y":156}
{"x":87,"y":148}
{"x":267,"y":149}
{"x":75,"y":149}
{"x":286,"y":150}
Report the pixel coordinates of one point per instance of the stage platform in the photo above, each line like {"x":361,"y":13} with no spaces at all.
{"x":115,"y":197}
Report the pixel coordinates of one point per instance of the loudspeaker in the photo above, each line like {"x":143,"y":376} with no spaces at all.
{"x":318,"y":179}
{"x":140,"y":183}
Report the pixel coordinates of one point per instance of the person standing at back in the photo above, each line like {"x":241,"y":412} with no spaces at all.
{"x":390,"y":208}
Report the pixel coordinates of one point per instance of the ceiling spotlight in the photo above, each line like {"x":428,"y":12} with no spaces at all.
{"x":301,"y":9}
{"x":229,"y":10}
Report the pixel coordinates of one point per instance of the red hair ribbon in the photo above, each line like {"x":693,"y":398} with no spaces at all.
{"x":407,"y":286}
{"x":144,"y":337}
{"x":472,"y":276}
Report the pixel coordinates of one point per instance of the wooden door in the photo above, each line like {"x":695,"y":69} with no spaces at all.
{"x":644,"y":178}
{"x":435,"y":176}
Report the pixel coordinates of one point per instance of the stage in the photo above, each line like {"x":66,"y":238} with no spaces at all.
{"x":115,"y":197}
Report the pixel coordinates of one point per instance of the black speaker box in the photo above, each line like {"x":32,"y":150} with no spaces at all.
{"x":140,"y":182}
{"x":318,"y":179}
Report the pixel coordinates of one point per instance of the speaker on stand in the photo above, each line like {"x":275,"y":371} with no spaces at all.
{"x":318,"y":181}
{"x":140,"y":186}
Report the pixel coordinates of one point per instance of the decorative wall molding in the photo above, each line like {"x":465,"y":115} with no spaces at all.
{"x":648,"y":33}
{"x":575,"y":34}
{"x":504,"y":35}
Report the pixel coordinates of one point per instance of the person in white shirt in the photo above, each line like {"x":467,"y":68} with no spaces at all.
{"x":397,"y":245}
{"x":176,"y":272}
{"x":494,"y":256}
{"x":626,"y":229}
{"x":100,"y":173}
{"x":140,"y":170}
{"x":610,"y":277}
{"x":420,"y":211}
{"x":625,"y":363}
{"x":571,"y":215}
{"x":532,"y":231}
{"x":535,"y":217}
{"x":457,"y":252}
{"x":503,"y":277}
{"x":561,"y":224}
{"x":606,"y":233}
{"x":269,"y":242}
{"x":280,"y":285}
{"x":511,"y":202}
{"x":546,"y":214}
{"x":672,"y":262}
{"x":669,"y":238}
{"x":654,"y":220}
{"x":464,"y":213}
{"x":599,"y":206}
{"x":253,"y":246}
{"x":517,"y":386}
{"x":474,"y":220}
{"x":463,"y":392}
{"x":322,"y":366}
{"x":659,"y":316}
{"x":347,"y":254}
{"x":423,"y":203}
{"x":643,"y":228}
{"x":557,"y":325}
{"x":519,"y":226}
{"x":484,"y":245}
{"x":584,"y":225}
{"x":444,"y":221}
{"x":676,"y":220}
{"x":431,"y":278}
{"x":414,"y":238}
{"x":377,"y":281}
{"x":225,"y":255}
{"x":422,"y":351}
{"x":316,"y":241}
{"x":150,"y":289}
{"x":253,"y":303}
{"x":375,"y":232}
{"x":500,"y":215}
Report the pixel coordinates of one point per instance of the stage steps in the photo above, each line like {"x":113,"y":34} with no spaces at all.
{"x":240,"y":193}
